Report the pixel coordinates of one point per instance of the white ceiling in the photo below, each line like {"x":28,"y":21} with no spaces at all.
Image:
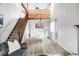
{"x":40,"y":5}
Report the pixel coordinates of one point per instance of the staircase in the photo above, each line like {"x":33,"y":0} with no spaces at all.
{"x":18,"y":31}
{"x":15,"y":33}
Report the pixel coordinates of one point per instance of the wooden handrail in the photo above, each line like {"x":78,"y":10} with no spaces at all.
{"x":22,"y":27}
{"x":24,"y":7}
{"x":23,"y":24}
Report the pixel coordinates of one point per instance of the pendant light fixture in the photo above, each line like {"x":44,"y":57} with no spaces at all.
{"x":40,"y":24}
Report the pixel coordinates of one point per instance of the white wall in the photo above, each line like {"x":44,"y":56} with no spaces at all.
{"x":11,"y":15}
{"x":67,"y":16}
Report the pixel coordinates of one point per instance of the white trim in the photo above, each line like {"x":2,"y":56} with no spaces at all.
{"x":64,"y":48}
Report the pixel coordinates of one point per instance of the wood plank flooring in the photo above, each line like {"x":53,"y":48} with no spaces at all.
{"x":36,"y":47}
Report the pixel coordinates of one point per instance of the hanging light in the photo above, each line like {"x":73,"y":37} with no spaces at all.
{"x":40,"y":24}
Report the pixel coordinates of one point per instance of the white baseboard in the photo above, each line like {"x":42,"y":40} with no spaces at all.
{"x":63,"y":47}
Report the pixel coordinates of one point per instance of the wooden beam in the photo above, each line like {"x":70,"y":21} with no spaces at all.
{"x":40,"y":13}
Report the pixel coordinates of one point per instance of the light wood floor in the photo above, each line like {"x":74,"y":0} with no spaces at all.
{"x":37,"y":47}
